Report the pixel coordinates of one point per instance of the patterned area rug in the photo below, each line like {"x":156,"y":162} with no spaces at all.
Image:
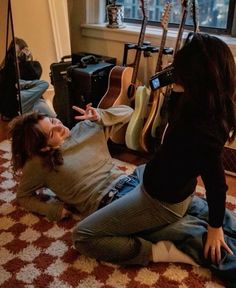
{"x":37,"y":253}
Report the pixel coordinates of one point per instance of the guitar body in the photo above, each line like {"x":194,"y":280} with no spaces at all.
{"x":156,"y":98}
{"x":118,"y":84}
{"x":157,"y":118}
{"x":146,"y":139}
{"x":132,"y":136}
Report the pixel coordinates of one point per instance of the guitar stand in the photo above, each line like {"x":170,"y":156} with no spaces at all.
{"x":131,"y":46}
{"x":147,"y":48}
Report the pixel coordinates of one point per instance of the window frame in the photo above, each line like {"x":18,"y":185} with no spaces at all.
{"x":231,"y":22}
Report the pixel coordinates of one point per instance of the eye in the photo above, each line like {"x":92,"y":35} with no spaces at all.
{"x":52,"y":120}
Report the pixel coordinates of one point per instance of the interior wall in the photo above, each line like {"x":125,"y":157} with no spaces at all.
{"x":32,"y":23}
{"x":3,"y":29}
{"x":77,"y":15}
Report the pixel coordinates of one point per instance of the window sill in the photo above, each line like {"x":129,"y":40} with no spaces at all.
{"x":130,"y":32}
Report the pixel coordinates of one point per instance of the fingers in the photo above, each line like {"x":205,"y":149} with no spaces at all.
{"x":215,"y":255}
{"x":82,"y":111}
{"x":78,"y":109}
{"x":215,"y":252}
{"x":228,"y":249}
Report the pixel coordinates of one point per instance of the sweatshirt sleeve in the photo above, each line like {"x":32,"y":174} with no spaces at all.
{"x":32,"y":180}
{"x":114,"y":118}
{"x":214,"y":180}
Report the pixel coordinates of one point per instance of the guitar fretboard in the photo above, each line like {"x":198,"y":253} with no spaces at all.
{"x":139,"y":51}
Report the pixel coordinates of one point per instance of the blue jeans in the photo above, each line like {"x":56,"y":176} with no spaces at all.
{"x":114,"y":233}
{"x":31,"y":99}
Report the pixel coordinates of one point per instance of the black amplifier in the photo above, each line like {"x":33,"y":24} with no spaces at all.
{"x":79,"y":79}
{"x":88,"y":79}
{"x":76,"y":58}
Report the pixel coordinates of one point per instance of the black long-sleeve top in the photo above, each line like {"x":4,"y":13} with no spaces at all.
{"x":190,"y":149}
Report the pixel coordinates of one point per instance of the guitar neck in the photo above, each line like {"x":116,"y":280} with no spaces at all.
{"x":160,"y":54}
{"x":180,"y":32}
{"x":139,"y":51}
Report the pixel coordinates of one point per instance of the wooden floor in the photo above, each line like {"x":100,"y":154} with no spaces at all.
{"x":128,"y":156}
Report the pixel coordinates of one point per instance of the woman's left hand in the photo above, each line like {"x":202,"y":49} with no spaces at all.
{"x":90,"y":113}
{"x":215,"y":240}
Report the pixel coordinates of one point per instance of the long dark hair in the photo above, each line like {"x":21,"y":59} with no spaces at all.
{"x":205,"y":67}
{"x":28,"y":140}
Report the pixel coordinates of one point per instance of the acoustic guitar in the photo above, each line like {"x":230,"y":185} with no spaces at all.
{"x":156,"y":97}
{"x":122,"y":80}
{"x":160,"y":119}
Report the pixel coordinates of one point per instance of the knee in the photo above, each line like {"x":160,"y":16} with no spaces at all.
{"x":81,"y":238}
{"x":43,"y":84}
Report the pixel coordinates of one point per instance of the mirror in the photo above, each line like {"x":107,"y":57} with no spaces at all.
{"x":32,"y":87}
{"x":41,"y":39}
{"x":10,"y":104}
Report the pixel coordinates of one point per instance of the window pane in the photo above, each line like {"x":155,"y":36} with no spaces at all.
{"x":213,"y":13}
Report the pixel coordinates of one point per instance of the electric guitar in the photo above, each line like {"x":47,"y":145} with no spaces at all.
{"x":142,"y":100}
{"x":160,"y":119}
{"x":156,"y":100}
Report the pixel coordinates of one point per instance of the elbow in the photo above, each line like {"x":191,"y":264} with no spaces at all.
{"x":20,"y":200}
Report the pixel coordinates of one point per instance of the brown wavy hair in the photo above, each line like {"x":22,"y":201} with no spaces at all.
{"x":28,"y":141}
{"x":205,"y":67}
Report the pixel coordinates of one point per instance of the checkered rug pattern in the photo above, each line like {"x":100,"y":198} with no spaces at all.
{"x":37,"y":253}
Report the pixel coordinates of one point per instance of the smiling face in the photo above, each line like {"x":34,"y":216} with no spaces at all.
{"x":55,"y":131}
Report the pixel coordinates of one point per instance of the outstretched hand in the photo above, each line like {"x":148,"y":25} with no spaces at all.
{"x":90,"y":113}
{"x":215,"y":240}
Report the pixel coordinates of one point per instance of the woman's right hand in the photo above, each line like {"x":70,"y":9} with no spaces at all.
{"x":90,"y":113}
{"x":215,"y":240}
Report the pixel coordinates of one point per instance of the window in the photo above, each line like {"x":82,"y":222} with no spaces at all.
{"x":215,"y":15}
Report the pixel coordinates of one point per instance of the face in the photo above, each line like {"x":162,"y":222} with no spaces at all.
{"x":56,"y":132}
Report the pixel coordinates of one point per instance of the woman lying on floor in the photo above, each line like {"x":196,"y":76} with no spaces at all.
{"x":76,"y":165}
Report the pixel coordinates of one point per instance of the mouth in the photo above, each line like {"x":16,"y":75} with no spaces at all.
{"x":65,"y":132}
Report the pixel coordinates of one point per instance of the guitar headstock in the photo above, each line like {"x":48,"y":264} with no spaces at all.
{"x":165,"y":15}
{"x":144,"y":7}
{"x":195,"y":15}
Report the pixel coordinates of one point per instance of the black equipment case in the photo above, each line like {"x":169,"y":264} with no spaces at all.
{"x":79,"y":79}
{"x":88,"y":80}
{"x":61,"y":100}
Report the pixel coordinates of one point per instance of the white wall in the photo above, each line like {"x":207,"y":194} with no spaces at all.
{"x":43,"y":25}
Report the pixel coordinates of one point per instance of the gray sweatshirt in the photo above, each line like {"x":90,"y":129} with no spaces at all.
{"x":87,"y":174}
